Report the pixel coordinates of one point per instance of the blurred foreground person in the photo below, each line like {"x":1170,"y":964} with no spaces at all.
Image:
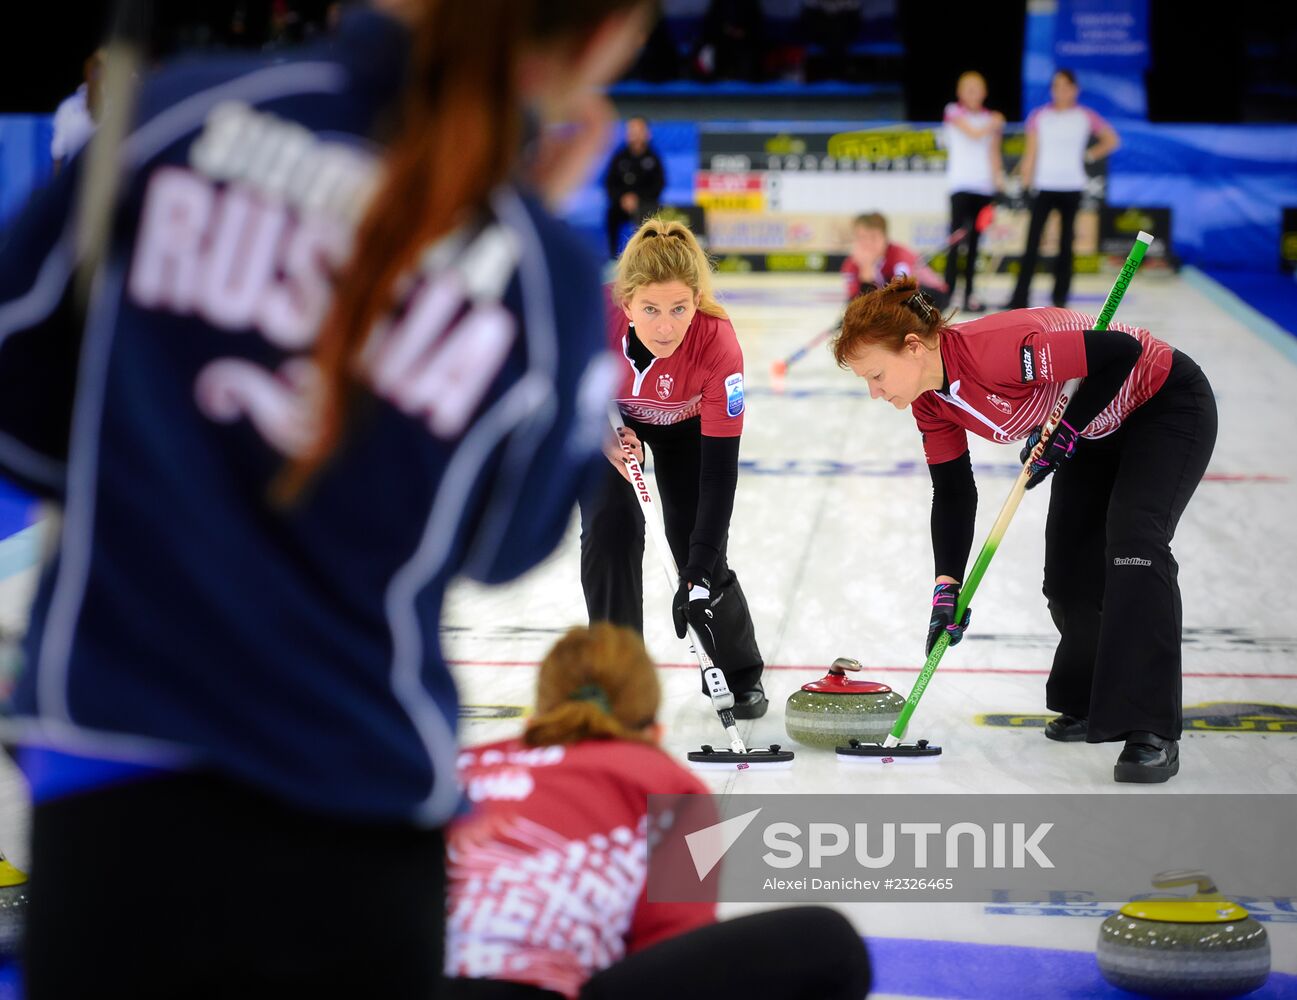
{"x":326,"y":366}
{"x":548,"y":875}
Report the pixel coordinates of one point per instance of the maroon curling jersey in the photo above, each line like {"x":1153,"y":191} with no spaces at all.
{"x":1005,"y":373}
{"x":897,"y":260}
{"x":704,"y":377}
{"x":547,"y":876}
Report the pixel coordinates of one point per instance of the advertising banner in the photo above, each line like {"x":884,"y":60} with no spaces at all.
{"x":772,"y":195}
{"x":1119,"y":224}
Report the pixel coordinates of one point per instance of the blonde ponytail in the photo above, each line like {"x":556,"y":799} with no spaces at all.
{"x":664,"y":250}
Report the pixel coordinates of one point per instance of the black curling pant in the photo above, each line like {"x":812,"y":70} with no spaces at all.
{"x":1110,"y":578}
{"x":194,"y":886}
{"x":1066,"y":204}
{"x":612,"y":549}
{"x":964,"y":206}
{"x":801,"y":953}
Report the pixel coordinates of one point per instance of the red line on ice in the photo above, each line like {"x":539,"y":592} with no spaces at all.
{"x":1198,"y":675}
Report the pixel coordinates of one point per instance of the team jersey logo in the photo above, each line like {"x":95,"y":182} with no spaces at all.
{"x":665,"y":382}
{"x":1004,"y":406}
{"x":734,"y":394}
{"x":1028,"y":365}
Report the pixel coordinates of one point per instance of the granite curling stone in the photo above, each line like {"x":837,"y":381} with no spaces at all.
{"x":13,"y":909}
{"x":1199,"y":946}
{"x":835,"y":709}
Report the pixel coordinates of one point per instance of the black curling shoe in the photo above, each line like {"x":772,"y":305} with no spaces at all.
{"x":751,"y":704}
{"x":1066,"y":729}
{"x":1147,"y":758}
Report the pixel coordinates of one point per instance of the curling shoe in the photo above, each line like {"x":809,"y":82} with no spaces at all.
{"x":1066,"y":729}
{"x":751,"y":704}
{"x":1147,"y":758}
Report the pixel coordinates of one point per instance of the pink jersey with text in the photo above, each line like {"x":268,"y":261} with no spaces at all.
{"x":1006,"y":373}
{"x":704,"y":377}
{"x":547,"y":876}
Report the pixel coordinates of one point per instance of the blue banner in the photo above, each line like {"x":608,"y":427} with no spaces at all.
{"x":1226,"y":185}
{"x":1105,"y":35}
{"x":1105,"y":42}
{"x":25,"y":161}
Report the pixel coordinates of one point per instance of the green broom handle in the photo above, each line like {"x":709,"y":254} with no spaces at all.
{"x":969,"y":588}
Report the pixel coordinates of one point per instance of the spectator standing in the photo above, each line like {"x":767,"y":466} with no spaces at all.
{"x":1053,"y":164}
{"x":974,"y":172}
{"x":634,"y":181}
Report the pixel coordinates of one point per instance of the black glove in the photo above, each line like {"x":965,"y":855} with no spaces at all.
{"x":1059,"y":448}
{"x":687,"y":609}
{"x":944,"y":598}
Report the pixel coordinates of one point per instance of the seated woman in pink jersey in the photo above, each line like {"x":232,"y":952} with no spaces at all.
{"x":874,"y":261}
{"x":1133,"y":445}
{"x":547,"y":875}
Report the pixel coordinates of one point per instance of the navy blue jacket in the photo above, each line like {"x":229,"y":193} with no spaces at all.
{"x":186,"y":620}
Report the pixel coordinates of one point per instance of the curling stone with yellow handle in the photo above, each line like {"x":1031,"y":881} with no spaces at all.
{"x":13,"y":908}
{"x":835,"y":709}
{"x":1196,"y":946}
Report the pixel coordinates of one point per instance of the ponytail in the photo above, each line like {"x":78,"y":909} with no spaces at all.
{"x":884,"y":317}
{"x":459,"y":134}
{"x":575,"y":721}
{"x":597,"y":683}
{"x":665,"y":250}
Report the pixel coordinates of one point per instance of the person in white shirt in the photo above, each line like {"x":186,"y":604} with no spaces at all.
{"x":1058,"y":148}
{"x":77,"y":116}
{"x":974,"y":172}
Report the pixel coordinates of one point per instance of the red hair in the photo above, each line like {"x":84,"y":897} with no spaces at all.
{"x":459,"y":133}
{"x":884,"y":318}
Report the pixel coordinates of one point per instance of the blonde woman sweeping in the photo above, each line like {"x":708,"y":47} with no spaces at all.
{"x":680,"y":392}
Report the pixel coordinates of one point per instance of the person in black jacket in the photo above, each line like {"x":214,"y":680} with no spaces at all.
{"x":634,"y":181}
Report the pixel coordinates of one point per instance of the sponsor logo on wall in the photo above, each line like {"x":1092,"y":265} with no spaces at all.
{"x":1119,"y":224}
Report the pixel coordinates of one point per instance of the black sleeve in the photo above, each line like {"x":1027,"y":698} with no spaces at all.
{"x":656,"y":178}
{"x":1109,"y":359}
{"x":612,"y":181}
{"x":717,"y":479}
{"x":954,"y":510}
